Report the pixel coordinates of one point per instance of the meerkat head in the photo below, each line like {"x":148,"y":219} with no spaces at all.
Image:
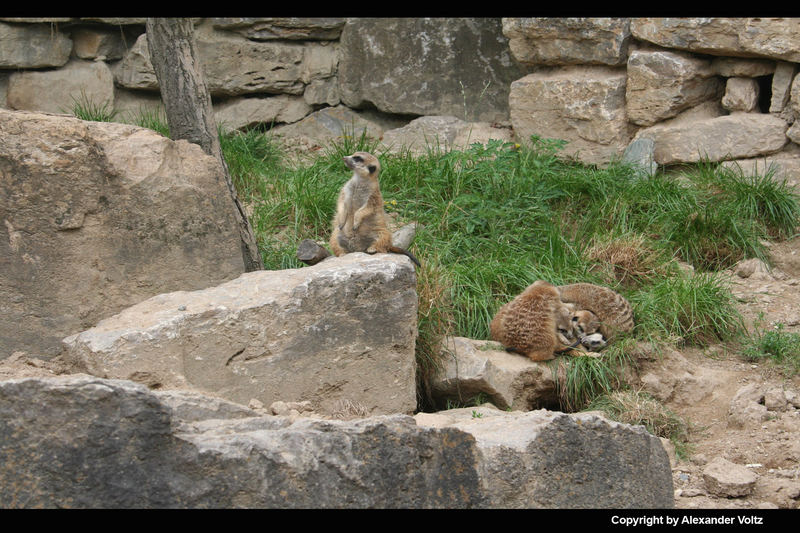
{"x":585,"y":322}
{"x":364,"y":164}
{"x":564,"y":326}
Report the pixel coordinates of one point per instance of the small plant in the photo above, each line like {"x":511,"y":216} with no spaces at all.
{"x":775,"y":345}
{"x":85,"y":109}
{"x":476,"y":414}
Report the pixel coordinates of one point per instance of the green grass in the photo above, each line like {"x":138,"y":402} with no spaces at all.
{"x":774,"y":346}
{"x":496,"y":218}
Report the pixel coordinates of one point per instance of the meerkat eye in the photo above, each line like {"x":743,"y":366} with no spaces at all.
{"x":358,"y":158}
{"x":371,"y":168}
{"x":574,"y":319}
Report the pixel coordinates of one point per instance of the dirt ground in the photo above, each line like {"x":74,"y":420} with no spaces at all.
{"x":758,"y":429}
{"x":738,"y":411}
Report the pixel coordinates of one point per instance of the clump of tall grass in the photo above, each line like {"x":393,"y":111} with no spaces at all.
{"x":639,"y":408}
{"x":774,"y":346}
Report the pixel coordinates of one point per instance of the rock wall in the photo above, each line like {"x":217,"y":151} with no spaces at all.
{"x":598,"y":83}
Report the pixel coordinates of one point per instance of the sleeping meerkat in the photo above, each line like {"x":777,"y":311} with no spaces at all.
{"x":535,"y":324}
{"x":360,"y":221}
{"x":597,"y":309}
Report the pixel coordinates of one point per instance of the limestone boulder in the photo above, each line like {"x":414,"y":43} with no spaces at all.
{"x":333,"y":123}
{"x":58,"y":90}
{"x":735,"y":136}
{"x":99,"y":216}
{"x":584,"y":106}
{"x":728,"y":480}
{"x":97,"y":42}
{"x":731,"y":67}
{"x":442,"y":66}
{"x":275,"y":67}
{"x":548,"y":459}
{"x":741,"y":94}
{"x":343,"y":329}
{"x":32,"y":46}
{"x":442,"y":133}
{"x":241,"y":113}
{"x":476,"y":369}
{"x":776,"y":38}
{"x":568,"y":40}
{"x":84,"y":442}
{"x":663,"y":83}
{"x":782,"y":82}
{"x":290,"y":28}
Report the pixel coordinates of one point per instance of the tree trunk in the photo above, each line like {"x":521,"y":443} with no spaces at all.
{"x":187,"y":101}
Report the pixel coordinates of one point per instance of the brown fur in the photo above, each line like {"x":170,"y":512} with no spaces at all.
{"x":360,"y":221}
{"x":597,"y":309}
{"x":535,"y":323}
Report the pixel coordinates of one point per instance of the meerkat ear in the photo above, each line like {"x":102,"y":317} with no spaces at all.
{"x":371,"y":168}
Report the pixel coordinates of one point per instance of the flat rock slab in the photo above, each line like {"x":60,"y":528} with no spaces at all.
{"x":727,"y":479}
{"x":85,"y":442}
{"x":553,"y":460}
{"x":343,"y":329}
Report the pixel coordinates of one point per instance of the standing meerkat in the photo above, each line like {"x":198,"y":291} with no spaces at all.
{"x":597,"y":309}
{"x":535,"y":323}
{"x":360,"y":221}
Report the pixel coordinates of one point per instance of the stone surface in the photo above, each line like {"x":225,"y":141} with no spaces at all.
{"x":730,"y":67}
{"x":728,"y":479}
{"x":747,"y":408}
{"x":776,"y":38}
{"x":741,"y":94}
{"x":84,"y":442}
{"x":782,"y":86}
{"x":58,"y":91}
{"x":333,"y":123}
{"x":640,"y":154}
{"x":242,"y":113}
{"x":292,"y":28}
{"x":663,"y":83}
{"x":261,"y":67}
{"x":344,"y":328}
{"x":582,"y":105}
{"x":98,"y":216}
{"x":550,"y":459}
{"x":568,"y":40}
{"x":432,"y":133}
{"x":423,"y":66}
{"x":108,"y":44}
{"x":736,"y":136}
{"x":32,"y":46}
{"x":474,"y":369}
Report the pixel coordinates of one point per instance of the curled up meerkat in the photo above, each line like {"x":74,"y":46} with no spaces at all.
{"x":360,"y":221}
{"x":536,"y":324}
{"x":596,"y":311}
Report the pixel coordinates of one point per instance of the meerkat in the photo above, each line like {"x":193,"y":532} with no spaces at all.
{"x":535,"y":323}
{"x":596,"y":309}
{"x":360,"y":221}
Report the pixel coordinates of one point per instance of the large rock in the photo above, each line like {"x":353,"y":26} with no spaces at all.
{"x":99,"y":216}
{"x":421,"y":66}
{"x":741,"y":94}
{"x":260,"y":67}
{"x":86,"y":83}
{"x":582,"y":105}
{"x":33,"y":46}
{"x":292,"y":28}
{"x":83,"y":442}
{"x":333,"y":123}
{"x":663,"y":83}
{"x":728,"y":480}
{"x":553,"y":460}
{"x":242,"y":113}
{"x":777,"y":38}
{"x":341,"y":330}
{"x":568,"y":41}
{"x":444,"y":133}
{"x":736,"y":136}
{"x":473,"y":369}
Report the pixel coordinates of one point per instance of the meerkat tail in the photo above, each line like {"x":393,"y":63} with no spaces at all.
{"x":398,"y":250}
